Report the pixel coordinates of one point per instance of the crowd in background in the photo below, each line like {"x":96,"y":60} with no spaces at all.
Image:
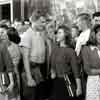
{"x":45,"y":58}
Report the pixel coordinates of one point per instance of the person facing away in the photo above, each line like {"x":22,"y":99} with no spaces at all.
{"x":84,"y":24}
{"x":91,"y":61}
{"x":64,"y":62}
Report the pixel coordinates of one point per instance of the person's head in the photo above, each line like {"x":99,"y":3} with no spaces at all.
{"x":37,"y":20}
{"x":83,"y":21}
{"x":13,"y":35}
{"x":96,"y":18}
{"x":59,"y":20}
{"x":63,"y":34}
{"x":75,"y":31}
{"x":95,"y":36}
{"x":3,"y":32}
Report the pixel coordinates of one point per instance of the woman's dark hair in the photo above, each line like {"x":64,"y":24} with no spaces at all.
{"x":67,"y":32}
{"x":92,"y":38}
{"x":13,"y":35}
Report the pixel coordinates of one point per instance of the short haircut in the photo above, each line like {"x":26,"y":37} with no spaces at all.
{"x":84,"y":16}
{"x":96,"y":14}
{"x":96,"y":27}
{"x":13,"y":35}
{"x":67,"y":32}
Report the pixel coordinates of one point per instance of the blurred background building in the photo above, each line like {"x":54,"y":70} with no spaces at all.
{"x":22,"y":9}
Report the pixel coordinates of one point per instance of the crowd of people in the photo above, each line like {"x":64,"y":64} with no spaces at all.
{"x":47,"y":59}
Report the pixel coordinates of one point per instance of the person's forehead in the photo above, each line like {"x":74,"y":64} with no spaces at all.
{"x":82,"y":18}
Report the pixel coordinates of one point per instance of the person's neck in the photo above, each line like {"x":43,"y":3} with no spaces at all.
{"x":62,"y":44}
{"x":85,"y":28}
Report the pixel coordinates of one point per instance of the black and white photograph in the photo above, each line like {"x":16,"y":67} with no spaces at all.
{"x":49,"y":49}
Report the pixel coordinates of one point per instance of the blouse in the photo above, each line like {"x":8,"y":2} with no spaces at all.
{"x":90,"y":59}
{"x":63,"y":60}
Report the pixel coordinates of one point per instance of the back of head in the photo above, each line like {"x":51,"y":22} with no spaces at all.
{"x":13,"y":35}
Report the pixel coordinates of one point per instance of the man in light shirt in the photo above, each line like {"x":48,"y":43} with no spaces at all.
{"x":33,"y":52}
{"x":84,"y":24}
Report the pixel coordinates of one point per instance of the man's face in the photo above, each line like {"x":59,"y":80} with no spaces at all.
{"x":98,"y":36}
{"x":40,"y":23}
{"x":96,"y":20}
{"x":80,"y":23}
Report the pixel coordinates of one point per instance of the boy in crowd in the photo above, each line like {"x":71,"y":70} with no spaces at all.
{"x":84,"y":24}
{"x":34,"y":53}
